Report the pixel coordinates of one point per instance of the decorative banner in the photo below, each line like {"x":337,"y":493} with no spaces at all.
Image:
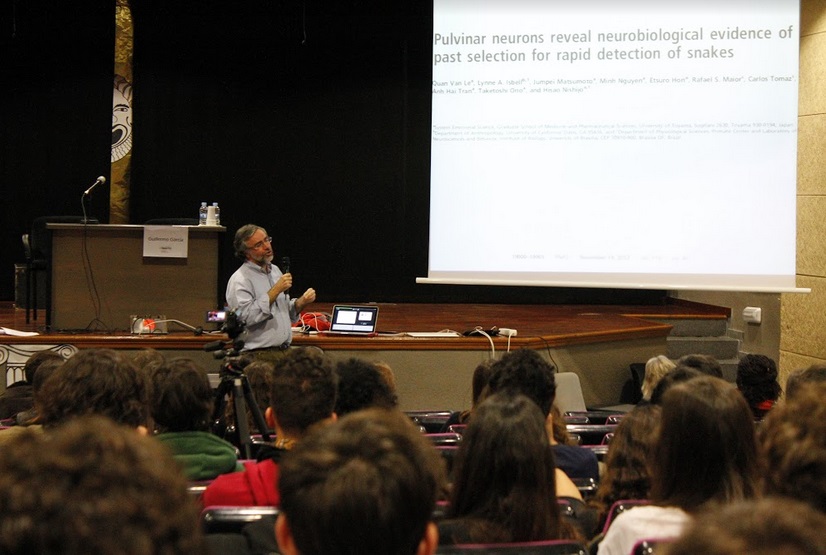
{"x":122,"y":115}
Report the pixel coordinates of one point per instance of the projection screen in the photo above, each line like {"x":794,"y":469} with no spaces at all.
{"x":611,"y":143}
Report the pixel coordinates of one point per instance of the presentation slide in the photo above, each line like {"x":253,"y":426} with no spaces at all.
{"x":612,"y":143}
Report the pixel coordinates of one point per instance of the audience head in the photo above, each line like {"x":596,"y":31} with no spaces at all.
{"x":387,"y":373}
{"x":95,"y":381}
{"x":559,"y":429}
{"x":303,"y":390}
{"x":504,"y":486}
{"x":677,"y":375}
{"x":94,"y":487}
{"x":626,"y":464}
{"x":706,"y":449}
{"x":34,"y":362}
{"x":800,"y":379}
{"x":655,"y":369}
{"x":182,"y":399}
{"x":757,"y":381}
{"x":366,"y":484}
{"x":44,"y":370}
{"x":706,"y":364}
{"x":259,"y":376}
{"x":793,"y":441}
{"x":481,"y":378}
{"x":148,"y":360}
{"x":361,"y":385}
{"x":525,"y":371}
{"x":765,"y":527}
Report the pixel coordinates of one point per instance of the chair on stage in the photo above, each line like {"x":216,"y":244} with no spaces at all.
{"x":37,"y":245}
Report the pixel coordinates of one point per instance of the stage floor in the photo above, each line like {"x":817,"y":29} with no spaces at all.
{"x":596,"y":342}
{"x":538,"y":326}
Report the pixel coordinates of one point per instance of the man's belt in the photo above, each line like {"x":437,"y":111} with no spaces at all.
{"x":282,"y":347}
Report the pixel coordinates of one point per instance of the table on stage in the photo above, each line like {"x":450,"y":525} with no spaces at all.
{"x":100,"y":277}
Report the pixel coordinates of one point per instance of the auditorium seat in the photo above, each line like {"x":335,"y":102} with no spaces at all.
{"x":433,"y":421}
{"x":619,"y":507}
{"x":650,"y":546}
{"x":591,"y":434}
{"x":548,"y":547}
{"x":444,"y":439}
{"x":569,"y":392}
{"x":230,"y":520}
{"x":586,"y":486}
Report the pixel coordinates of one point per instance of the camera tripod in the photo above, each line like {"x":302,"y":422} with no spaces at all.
{"x":235,"y":385}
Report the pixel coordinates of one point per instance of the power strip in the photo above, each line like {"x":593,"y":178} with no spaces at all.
{"x":507,"y":332}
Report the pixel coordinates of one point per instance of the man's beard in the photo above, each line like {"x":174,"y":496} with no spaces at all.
{"x":263,"y":259}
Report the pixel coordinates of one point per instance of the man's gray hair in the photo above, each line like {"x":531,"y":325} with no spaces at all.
{"x":241,"y":236}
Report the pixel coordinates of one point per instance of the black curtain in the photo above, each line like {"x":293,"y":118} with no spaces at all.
{"x":310,"y":118}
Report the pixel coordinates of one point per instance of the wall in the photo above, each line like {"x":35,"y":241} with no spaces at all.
{"x":803,"y":334}
{"x":794,"y":327}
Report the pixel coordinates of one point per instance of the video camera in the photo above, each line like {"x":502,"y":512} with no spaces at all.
{"x":233,"y":327}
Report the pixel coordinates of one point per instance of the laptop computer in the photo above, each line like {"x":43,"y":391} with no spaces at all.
{"x":354,"y":320}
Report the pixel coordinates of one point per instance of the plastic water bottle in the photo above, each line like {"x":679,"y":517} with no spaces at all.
{"x":202,"y":214}
{"x":217,"y":213}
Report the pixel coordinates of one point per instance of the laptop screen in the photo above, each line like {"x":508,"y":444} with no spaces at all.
{"x":354,"y":319}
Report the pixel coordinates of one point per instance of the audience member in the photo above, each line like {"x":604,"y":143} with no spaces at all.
{"x":182,"y":405}
{"x":303,"y":393}
{"x":361,"y":385}
{"x":626,"y":470}
{"x":705,"y":454}
{"x":504,"y":487}
{"x":367,"y":484}
{"x":18,"y":397}
{"x":92,"y":486}
{"x":479,"y":390}
{"x":147,"y":360}
{"x":387,"y":373}
{"x":655,"y":368}
{"x":559,"y":433}
{"x":757,"y":381}
{"x":706,"y":364}
{"x":96,"y":381}
{"x":678,"y":375}
{"x":44,"y":370}
{"x":800,"y":379}
{"x":525,"y":371}
{"x":765,"y":527}
{"x":792,"y":438}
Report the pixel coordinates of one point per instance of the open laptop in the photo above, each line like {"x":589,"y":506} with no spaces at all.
{"x":354,"y":320}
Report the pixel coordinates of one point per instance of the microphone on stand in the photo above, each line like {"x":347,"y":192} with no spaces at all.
{"x":86,"y":220}
{"x":99,"y":181}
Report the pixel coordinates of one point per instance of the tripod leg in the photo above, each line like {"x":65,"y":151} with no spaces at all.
{"x":241,"y":423}
{"x":260,"y":421}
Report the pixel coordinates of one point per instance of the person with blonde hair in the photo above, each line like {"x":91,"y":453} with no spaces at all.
{"x":655,"y":369}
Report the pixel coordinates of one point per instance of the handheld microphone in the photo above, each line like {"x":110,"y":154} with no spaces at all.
{"x":285,"y":269}
{"x":99,"y":181}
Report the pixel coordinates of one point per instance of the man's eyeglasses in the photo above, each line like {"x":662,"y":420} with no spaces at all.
{"x":259,"y":244}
